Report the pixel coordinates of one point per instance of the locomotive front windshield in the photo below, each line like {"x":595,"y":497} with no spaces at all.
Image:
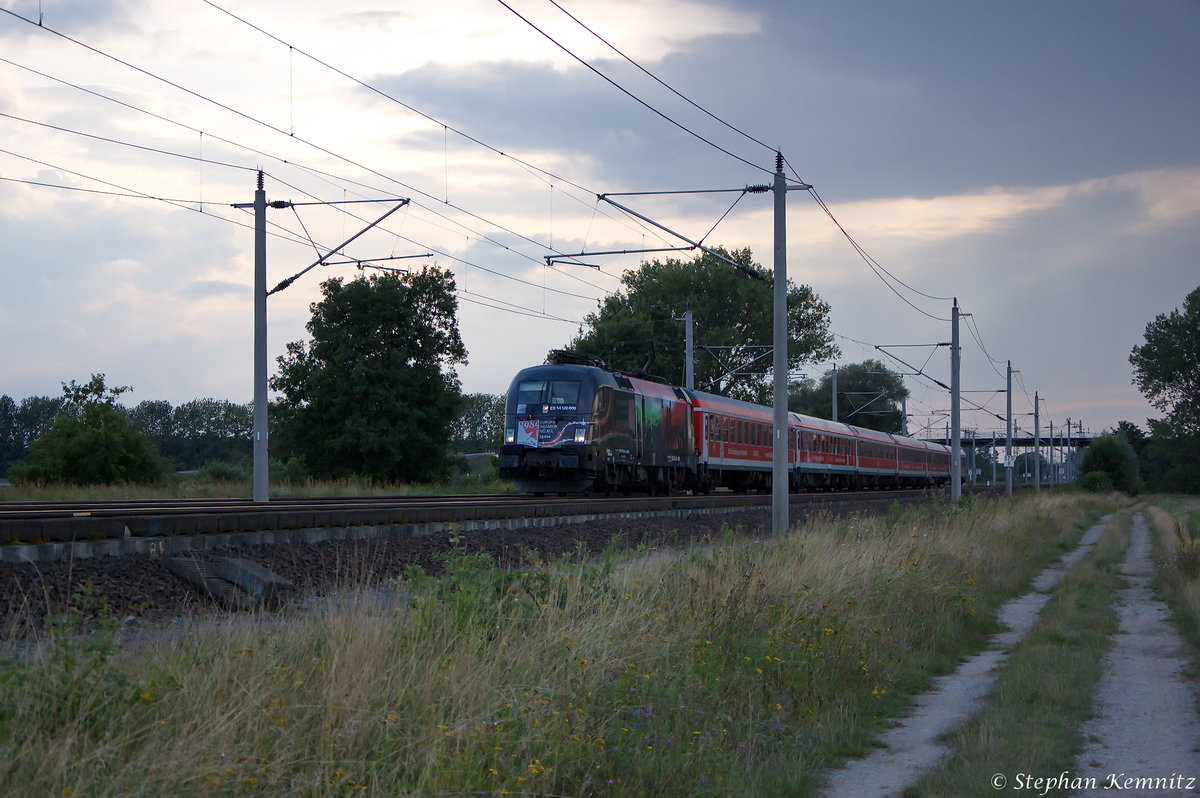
{"x":547,"y":396}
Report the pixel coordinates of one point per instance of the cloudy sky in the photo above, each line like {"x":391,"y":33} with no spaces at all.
{"x":1040,"y":161}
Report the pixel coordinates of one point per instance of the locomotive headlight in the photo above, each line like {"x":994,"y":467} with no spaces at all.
{"x":509,"y":436}
{"x":581,"y":434}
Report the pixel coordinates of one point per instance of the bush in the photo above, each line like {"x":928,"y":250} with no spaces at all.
{"x":93,"y":443}
{"x":1181,"y":479}
{"x":1096,"y":482}
{"x":223,"y":471}
{"x":1113,"y":455}
{"x":292,"y":471}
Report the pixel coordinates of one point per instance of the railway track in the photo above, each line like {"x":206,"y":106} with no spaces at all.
{"x":60,"y":530}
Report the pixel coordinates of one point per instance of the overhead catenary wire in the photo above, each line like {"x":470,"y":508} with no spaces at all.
{"x":307,"y":169}
{"x":542,"y":174}
{"x":870,"y":261}
{"x":269,"y":126}
{"x":127,"y":194}
{"x":628,"y":93}
{"x":662,"y":83}
{"x":183,"y":203}
{"x":874,"y":265}
{"x":129,"y":143}
{"x":862,"y":253}
{"x":131,"y":193}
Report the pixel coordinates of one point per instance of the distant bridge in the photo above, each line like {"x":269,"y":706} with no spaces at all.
{"x":1019,"y":441}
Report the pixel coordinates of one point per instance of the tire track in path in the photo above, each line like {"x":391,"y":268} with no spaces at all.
{"x":913,"y":746}
{"x":1145,"y":725}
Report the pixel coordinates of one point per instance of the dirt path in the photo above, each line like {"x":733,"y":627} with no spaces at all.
{"x":912,"y":746}
{"x":1145,"y":725}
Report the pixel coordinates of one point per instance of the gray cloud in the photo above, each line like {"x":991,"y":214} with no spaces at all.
{"x":73,"y":16}
{"x":873,"y":99}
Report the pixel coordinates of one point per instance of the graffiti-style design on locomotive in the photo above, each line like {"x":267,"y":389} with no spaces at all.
{"x":573,"y":425}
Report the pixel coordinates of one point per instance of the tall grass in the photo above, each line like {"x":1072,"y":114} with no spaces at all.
{"x":1176,"y":526}
{"x":738,"y":667}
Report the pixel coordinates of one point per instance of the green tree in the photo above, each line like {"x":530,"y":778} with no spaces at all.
{"x":480,"y":424}
{"x":196,"y":433}
{"x":21,"y":423}
{"x":730,"y":309}
{"x":1112,"y":455}
{"x":374,"y":392}
{"x":91,"y":442}
{"x":869,"y":395}
{"x":1166,"y":369}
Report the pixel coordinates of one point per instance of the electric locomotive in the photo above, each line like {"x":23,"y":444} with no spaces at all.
{"x":572,"y":425}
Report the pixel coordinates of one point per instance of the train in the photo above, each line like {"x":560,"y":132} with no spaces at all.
{"x":573,"y":425}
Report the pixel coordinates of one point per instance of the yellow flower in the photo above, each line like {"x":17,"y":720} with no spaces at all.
{"x":147,"y":697}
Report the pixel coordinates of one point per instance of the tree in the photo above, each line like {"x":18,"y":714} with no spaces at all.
{"x":91,"y":442}
{"x":1112,"y":455}
{"x":730,"y":309}
{"x":869,"y":395}
{"x":374,"y":392}
{"x":22,"y":423}
{"x":1166,"y":369}
{"x":480,"y":424}
{"x":196,"y":433}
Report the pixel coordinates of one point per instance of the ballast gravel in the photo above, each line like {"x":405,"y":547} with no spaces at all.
{"x":141,"y":588}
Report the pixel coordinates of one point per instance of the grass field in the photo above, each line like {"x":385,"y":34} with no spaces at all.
{"x":737,"y":667}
